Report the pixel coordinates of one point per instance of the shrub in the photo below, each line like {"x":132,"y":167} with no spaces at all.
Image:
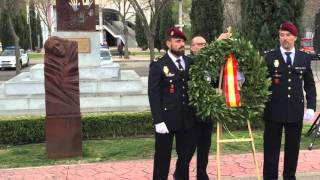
{"x":30,"y":129}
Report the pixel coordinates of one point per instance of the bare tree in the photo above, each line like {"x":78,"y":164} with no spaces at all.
{"x":11,"y":8}
{"x":156,"y":6}
{"x":43,"y":8}
{"x":124,"y":8}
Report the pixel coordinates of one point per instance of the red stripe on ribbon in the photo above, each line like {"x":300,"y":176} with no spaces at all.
{"x":231,"y":88}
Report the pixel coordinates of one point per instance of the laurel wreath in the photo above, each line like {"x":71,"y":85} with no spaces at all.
{"x":210,"y":103}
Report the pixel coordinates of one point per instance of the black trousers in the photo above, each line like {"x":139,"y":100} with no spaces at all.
{"x":202,"y":142}
{"x":162,"y":156}
{"x":272,"y":145}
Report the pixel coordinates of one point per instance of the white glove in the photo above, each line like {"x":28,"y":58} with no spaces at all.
{"x":161,"y":128}
{"x":309,"y":114}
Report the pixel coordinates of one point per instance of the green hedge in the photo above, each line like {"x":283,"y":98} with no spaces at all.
{"x":30,"y":129}
{"x":116,"y":125}
{"x":21,"y":130}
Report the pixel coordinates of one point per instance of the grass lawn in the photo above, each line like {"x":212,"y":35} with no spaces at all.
{"x":117,"y":149}
{"x":35,"y":55}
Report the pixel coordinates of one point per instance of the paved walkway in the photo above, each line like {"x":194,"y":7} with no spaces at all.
{"x":233,"y":167}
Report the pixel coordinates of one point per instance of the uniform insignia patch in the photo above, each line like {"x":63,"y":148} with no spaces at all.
{"x":166,"y":70}
{"x":276,"y":63}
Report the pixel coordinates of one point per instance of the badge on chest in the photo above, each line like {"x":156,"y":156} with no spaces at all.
{"x":171,"y":90}
{"x":277,"y":76}
{"x":167,"y":73}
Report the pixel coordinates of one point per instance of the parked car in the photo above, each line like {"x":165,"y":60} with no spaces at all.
{"x":105,"y":56}
{"x":8,"y":58}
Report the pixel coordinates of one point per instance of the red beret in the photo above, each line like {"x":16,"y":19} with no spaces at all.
{"x":175,"y":32}
{"x":289,"y":26}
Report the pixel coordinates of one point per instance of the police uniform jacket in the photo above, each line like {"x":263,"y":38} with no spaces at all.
{"x":167,"y":91}
{"x":286,"y":103}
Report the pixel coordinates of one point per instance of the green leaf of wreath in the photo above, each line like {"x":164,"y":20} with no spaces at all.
{"x":210,"y":104}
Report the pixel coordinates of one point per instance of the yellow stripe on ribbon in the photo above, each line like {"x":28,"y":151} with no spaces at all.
{"x":231,"y":90}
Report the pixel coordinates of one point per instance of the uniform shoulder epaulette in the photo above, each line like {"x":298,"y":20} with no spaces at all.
{"x":157,"y":59}
{"x":268,"y":51}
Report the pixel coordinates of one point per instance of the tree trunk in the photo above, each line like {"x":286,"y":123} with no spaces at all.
{"x":151,"y":47}
{"x":16,"y":43}
{"x":49,"y":31}
{"x":125,"y":32}
{"x":30,"y":38}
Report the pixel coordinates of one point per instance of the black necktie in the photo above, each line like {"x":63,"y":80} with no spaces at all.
{"x":288,"y":60}
{"x":179,"y":65}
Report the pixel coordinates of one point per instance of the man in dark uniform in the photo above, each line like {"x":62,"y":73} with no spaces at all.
{"x":171,"y":114}
{"x":290,"y":71}
{"x":203,"y":128}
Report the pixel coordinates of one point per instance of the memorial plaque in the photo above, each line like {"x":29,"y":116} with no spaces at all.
{"x":63,"y":118}
{"x":83,"y":44}
{"x":76,"y":15}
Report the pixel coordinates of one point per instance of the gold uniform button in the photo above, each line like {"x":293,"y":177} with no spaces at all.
{"x":289,"y":96}
{"x":165,"y":109}
{"x":289,"y":72}
{"x":170,"y":81}
{"x":301,"y":72}
{"x":289,"y":88}
{"x":289,"y":80}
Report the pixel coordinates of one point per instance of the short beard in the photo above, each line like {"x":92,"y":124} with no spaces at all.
{"x":177,"y":53}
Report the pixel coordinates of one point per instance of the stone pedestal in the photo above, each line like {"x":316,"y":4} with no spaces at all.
{"x":89,"y":40}
{"x":63,"y":136}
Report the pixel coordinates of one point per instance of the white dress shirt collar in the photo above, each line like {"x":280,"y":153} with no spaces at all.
{"x":292,"y":55}
{"x":174,"y":60}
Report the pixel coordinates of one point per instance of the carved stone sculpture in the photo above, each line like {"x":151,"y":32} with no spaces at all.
{"x":63,"y":118}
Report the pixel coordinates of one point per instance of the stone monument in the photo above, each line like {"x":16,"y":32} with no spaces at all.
{"x":62,"y":99}
{"x":76,"y":21}
{"x":102,"y":87}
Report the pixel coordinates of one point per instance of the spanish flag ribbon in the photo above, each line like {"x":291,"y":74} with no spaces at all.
{"x":231,"y":88}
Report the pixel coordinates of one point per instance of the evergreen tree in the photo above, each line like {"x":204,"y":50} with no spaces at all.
{"x":5,"y":34}
{"x":166,"y":21}
{"x":141,"y":37}
{"x":206,"y":18}
{"x":261,"y":20}
{"x":21,"y":28}
{"x":39,"y":32}
{"x":33,"y":24}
